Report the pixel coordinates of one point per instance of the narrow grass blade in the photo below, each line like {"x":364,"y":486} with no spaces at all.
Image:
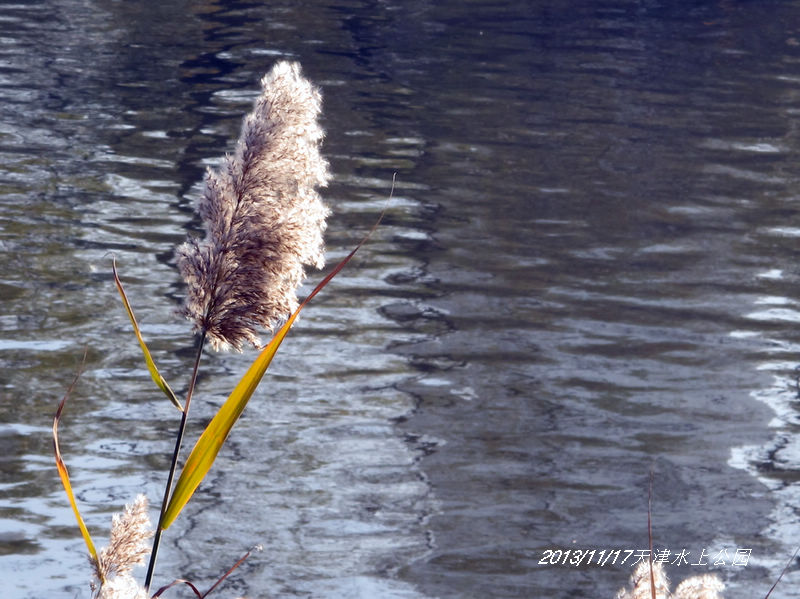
{"x":64,"y":474}
{"x":151,"y":365}
{"x":166,"y":587}
{"x":211,"y":440}
{"x":208,"y":445}
{"x":197,"y":593}
{"x":238,"y":563}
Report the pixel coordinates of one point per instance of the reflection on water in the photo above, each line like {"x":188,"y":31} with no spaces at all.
{"x":587,"y":271}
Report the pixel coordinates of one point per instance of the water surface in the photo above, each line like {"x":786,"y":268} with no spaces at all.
{"x":587,"y":273}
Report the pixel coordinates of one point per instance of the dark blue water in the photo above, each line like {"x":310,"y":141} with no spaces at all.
{"x":588,"y":272}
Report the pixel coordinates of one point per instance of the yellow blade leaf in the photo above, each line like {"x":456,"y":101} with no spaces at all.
{"x":151,"y":365}
{"x":208,"y":445}
{"x":64,"y":475}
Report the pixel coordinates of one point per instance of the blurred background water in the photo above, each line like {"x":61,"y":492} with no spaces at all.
{"x":588,"y":271}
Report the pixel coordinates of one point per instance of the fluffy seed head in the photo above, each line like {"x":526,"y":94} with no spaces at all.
{"x":707,"y":586}
{"x":263,"y":217}
{"x":127,"y":547}
{"x":640,"y":583}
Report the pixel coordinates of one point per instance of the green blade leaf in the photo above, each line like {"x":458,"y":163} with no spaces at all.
{"x":64,"y":475}
{"x":151,"y":365}
{"x":211,"y":440}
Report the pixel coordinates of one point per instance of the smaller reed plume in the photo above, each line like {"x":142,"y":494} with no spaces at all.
{"x":640,"y":583}
{"x":127,"y":547}
{"x":697,"y":587}
{"x":264,"y":219}
{"x":706,"y":586}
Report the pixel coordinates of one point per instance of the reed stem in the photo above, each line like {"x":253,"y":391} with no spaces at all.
{"x":174,"y":466}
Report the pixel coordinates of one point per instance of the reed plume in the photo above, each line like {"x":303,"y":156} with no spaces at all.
{"x":127,"y":547}
{"x":697,"y":587}
{"x":263,"y":217}
{"x":640,"y":583}
{"x":123,"y":587}
{"x":706,"y":586}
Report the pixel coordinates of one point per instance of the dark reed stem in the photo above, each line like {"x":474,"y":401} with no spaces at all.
{"x":174,"y":466}
{"x":650,"y":531}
